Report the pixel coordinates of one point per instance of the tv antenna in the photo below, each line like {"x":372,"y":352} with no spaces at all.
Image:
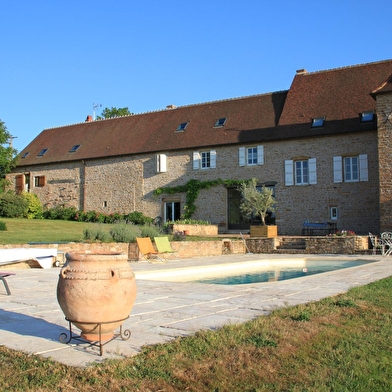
{"x":95,"y":106}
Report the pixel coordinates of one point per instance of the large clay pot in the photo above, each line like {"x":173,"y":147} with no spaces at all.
{"x":96,"y":288}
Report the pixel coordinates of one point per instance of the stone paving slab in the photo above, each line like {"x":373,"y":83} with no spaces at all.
{"x":32,"y":321}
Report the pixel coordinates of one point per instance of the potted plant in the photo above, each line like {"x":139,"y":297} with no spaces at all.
{"x":258,"y":203}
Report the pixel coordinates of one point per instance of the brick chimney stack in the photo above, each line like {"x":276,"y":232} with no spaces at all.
{"x":89,"y":118}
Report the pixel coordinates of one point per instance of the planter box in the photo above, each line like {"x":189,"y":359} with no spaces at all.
{"x":264,"y":231}
{"x":199,"y":230}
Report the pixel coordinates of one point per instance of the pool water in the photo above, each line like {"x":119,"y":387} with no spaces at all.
{"x":282,"y":273}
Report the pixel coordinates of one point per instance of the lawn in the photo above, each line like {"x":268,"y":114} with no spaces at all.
{"x":22,"y":231}
{"x":337,"y":344}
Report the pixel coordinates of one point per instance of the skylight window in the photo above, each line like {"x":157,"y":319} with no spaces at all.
{"x":318,"y":122}
{"x":220,"y":122}
{"x":182,"y":126}
{"x":25,"y":155}
{"x":42,"y":152}
{"x":367,"y":116}
{"x":74,"y":148}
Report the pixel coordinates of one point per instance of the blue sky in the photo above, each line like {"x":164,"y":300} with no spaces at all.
{"x":59,"y":58}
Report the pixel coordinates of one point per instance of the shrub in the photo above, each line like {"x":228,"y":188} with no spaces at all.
{"x":61,"y":212}
{"x":150,"y":231}
{"x":96,"y":234}
{"x":34,"y":206}
{"x":3,"y":226}
{"x":138,"y":218}
{"x":12,"y":205}
{"x":123,"y":232}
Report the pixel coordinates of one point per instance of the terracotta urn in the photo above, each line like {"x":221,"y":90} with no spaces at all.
{"x":96,"y":290}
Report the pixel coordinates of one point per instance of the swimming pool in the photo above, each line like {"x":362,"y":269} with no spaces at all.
{"x":255,"y":271}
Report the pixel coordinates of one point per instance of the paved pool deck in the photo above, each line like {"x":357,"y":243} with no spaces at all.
{"x":32,"y":321}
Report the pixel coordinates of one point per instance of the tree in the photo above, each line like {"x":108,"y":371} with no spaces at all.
{"x":7,"y":155}
{"x":256,"y":202}
{"x":114,"y":112}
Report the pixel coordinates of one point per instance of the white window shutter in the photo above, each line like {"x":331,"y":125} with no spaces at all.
{"x":289,"y":172}
{"x":213,"y":159}
{"x":241,"y":156}
{"x":260,"y":155}
{"x":363,"y":168}
{"x":161,"y":163}
{"x":312,"y":171}
{"x":196,"y":160}
{"x":337,"y":169}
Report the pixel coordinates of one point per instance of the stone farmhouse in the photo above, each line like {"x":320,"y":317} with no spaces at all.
{"x":324,"y":146}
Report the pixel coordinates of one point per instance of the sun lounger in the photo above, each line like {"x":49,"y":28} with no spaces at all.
{"x":164,"y":247}
{"x":147,"y":251}
{"x":4,"y":275}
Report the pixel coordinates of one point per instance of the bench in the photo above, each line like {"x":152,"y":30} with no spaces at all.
{"x":318,"y":228}
{"x":4,"y":275}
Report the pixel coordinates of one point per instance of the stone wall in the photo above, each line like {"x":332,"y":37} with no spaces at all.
{"x":126,"y":184}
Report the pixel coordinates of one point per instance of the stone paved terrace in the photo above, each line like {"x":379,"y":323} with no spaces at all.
{"x":31,"y":320}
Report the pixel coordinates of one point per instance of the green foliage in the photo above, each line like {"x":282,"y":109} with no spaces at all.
{"x":34,"y":207}
{"x":256,"y":202}
{"x":192,"y":189}
{"x":149,"y":231}
{"x":303,"y":315}
{"x":12,"y":205}
{"x":137,"y":218}
{"x":96,"y":234}
{"x":60,"y":212}
{"x":114,"y":112}
{"x":8,"y":158}
{"x":126,"y":233}
{"x":3,"y":226}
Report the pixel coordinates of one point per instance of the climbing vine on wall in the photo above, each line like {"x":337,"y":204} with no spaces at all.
{"x":192,"y":189}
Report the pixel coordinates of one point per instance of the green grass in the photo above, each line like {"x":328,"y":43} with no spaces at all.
{"x":341,"y":343}
{"x":22,"y":231}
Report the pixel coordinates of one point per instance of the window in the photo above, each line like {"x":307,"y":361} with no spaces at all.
{"x":350,"y":168}
{"x":204,"y":160}
{"x":182,"y":127}
{"x":220,"y":122}
{"x":39,"y":181}
{"x":318,"y":122}
{"x":251,"y":156}
{"x":74,"y":148}
{"x":334,"y":213}
{"x":367,"y":116}
{"x":171,"y":211}
{"x":25,"y":155}
{"x":300,"y":172}
{"x":42,"y":152}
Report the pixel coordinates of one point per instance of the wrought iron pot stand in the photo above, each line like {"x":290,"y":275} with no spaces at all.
{"x":124,"y":334}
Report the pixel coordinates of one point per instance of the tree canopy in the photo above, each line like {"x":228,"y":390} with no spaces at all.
{"x":114,"y":112}
{"x":7,"y":154}
{"x":256,"y":202}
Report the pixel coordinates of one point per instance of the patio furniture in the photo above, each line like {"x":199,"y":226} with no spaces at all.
{"x":4,"y":275}
{"x":164,"y":247}
{"x":386,"y":238}
{"x":318,"y":228}
{"x":377,"y":244}
{"x":147,"y":251}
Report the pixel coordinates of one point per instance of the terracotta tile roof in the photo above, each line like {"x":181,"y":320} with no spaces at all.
{"x":385,"y":87}
{"x":340,"y":95}
{"x":156,"y":131}
{"x":337,"y":94}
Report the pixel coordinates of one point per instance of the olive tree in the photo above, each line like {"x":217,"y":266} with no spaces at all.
{"x":256,"y":202}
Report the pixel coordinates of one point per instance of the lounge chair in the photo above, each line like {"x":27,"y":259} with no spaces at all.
{"x":377,"y":244}
{"x":147,"y":251}
{"x":4,"y":275}
{"x":164,"y":247}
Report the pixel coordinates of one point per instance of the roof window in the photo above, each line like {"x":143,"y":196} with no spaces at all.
{"x":220,"y":122}
{"x":74,"y":148}
{"x":42,"y":152}
{"x":182,"y":126}
{"x":318,"y":122}
{"x":25,"y":154}
{"x":367,"y":116}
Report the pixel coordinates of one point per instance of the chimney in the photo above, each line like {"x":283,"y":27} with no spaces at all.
{"x":302,"y":71}
{"x":171,"y":106}
{"x":89,"y":118}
